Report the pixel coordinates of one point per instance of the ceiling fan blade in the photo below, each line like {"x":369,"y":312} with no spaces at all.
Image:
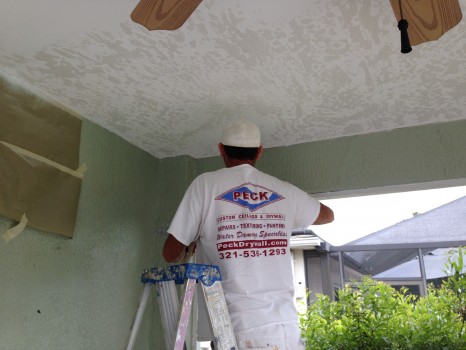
{"x":428,"y":19}
{"x":163,"y":14}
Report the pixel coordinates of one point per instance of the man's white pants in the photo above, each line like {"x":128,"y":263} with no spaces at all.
{"x":271,"y":337}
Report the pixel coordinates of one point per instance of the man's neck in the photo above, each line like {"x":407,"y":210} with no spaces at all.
{"x":230,"y":163}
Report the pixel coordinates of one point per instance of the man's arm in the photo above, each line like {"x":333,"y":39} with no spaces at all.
{"x":176,"y":252}
{"x":325,"y":215}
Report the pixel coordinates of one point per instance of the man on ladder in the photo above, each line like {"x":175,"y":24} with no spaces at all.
{"x":241,"y":220}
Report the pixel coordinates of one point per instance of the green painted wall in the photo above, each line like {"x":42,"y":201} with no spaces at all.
{"x":174,"y":175}
{"x":82,"y":293}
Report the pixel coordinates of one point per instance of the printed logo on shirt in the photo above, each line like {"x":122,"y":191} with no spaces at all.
{"x":250,"y":196}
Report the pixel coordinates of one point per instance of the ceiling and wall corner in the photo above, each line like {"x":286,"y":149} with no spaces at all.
{"x":302,"y":70}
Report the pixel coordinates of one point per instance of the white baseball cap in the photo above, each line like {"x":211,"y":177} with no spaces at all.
{"x":241,"y":133}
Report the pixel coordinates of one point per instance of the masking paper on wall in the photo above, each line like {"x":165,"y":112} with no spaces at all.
{"x":39,"y":155}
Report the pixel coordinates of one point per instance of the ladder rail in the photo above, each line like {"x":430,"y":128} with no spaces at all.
{"x":184,"y":314}
{"x":139,"y":315}
{"x":169,"y":309}
{"x":219,"y":316}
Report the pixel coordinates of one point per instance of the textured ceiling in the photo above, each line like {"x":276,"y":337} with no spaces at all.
{"x":303,"y":70}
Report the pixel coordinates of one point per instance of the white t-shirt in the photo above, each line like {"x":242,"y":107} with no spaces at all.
{"x":242,"y":220}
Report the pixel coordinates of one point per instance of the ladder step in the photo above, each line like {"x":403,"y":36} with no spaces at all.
{"x":207,"y":274}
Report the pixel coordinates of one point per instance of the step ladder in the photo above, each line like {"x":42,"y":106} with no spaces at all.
{"x":175,"y":313}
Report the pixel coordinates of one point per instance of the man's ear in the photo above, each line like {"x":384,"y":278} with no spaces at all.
{"x":221,"y":150}
{"x":259,"y":152}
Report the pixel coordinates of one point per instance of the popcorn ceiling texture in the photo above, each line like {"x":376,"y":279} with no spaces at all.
{"x":302,"y":70}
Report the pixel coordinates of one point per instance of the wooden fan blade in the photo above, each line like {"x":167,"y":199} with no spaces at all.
{"x":163,"y":14}
{"x":428,"y":19}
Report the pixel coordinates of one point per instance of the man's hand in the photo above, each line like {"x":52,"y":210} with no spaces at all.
{"x":189,"y":252}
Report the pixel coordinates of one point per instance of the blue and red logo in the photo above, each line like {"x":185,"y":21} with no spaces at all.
{"x":250,"y":196}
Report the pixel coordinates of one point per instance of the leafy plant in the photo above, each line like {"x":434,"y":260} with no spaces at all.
{"x":373,"y":315}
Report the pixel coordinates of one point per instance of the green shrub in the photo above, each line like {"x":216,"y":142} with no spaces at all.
{"x":373,"y":315}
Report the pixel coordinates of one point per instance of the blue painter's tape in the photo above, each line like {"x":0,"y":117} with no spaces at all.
{"x":206,"y":274}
